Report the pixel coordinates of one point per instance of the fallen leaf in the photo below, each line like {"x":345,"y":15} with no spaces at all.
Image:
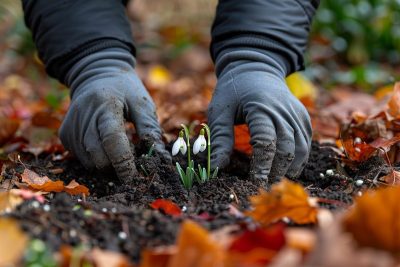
{"x":375,"y":219}
{"x":242,"y":139}
{"x":166,"y":206}
{"x":394,"y":102}
{"x":157,"y":257}
{"x":301,"y":87}
{"x":103,"y":258}
{"x":286,"y":199}
{"x":301,"y":239}
{"x":73,"y":188}
{"x":257,"y":247}
{"x":392,"y":178}
{"x":12,"y":242}
{"x":195,"y":248}
{"x":9,"y":201}
{"x":384,"y":143}
{"x":8,"y":127}
{"x":43,"y":183}
{"x":47,"y":119}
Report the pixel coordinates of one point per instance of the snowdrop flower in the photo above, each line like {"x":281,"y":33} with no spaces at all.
{"x":179,"y":145}
{"x":200,"y":144}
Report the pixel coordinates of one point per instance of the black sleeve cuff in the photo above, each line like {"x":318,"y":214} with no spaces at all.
{"x":66,"y":31}
{"x":278,"y":28}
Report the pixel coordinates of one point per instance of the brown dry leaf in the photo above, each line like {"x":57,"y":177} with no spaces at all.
{"x":12,"y":242}
{"x":375,"y":219}
{"x":47,"y":119}
{"x":9,"y":201}
{"x":195,"y":248}
{"x":8,"y":127}
{"x":392,"y":178}
{"x":286,"y":199}
{"x":102,"y":258}
{"x":43,"y":183}
{"x":394,"y":102}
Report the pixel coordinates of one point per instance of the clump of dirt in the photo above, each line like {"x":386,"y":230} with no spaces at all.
{"x":117,"y":215}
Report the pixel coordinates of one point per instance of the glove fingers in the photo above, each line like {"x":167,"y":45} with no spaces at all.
{"x":285,"y":151}
{"x":301,"y":156}
{"x":263,"y":139}
{"x":68,"y":133}
{"x":221,"y":122}
{"x":115,"y":142}
{"x":95,"y":148}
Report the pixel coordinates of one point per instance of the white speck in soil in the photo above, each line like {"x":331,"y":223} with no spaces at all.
{"x":184,"y":208}
{"x":110,"y":184}
{"x":357,"y":140}
{"x":359,"y":193}
{"x":79,"y":200}
{"x":114,"y":210}
{"x":329,"y":172}
{"x":72,"y":233}
{"x":35,"y":204}
{"x":104,"y":210}
{"x":231,"y":196}
{"x":359,"y":182}
{"x":122,"y":235}
{"x":321,"y":175}
{"x":46,"y":208}
{"x":286,"y":220}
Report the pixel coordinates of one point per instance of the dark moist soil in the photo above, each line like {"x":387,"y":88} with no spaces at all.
{"x":117,"y":216}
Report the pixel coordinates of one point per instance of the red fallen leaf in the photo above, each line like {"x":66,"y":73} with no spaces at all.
{"x":258,"y":247}
{"x":242,"y":139}
{"x":167,"y":206}
{"x":357,"y":152}
{"x":43,"y":183}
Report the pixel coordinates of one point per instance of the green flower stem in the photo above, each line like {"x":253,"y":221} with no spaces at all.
{"x":205,"y":126}
{"x":187,"y":135}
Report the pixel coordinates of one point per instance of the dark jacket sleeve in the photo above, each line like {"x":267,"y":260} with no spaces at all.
{"x":65,"y":31}
{"x":278,"y":28}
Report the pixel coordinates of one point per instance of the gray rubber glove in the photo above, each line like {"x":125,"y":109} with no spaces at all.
{"x":251,"y":89}
{"x":106,"y":91}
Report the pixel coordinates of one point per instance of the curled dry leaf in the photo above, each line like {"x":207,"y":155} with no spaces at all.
{"x":43,"y":183}
{"x":286,"y":199}
{"x":166,"y":206}
{"x":12,"y":242}
{"x":375,"y":219}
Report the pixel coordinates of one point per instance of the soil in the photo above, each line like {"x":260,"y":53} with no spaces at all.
{"x":117,"y":216}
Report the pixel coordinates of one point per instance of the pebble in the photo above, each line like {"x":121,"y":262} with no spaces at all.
{"x":79,"y":200}
{"x":321,"y":175}
{"x":35,"y":204}
{"x":231,"y":196}
{"x":357,"y":140}
{"x":122,"y":235}
{"x":114,"y":210}
{"x":359,"y":182}
{"x":329,"y":172}
{"x":46,"y":207}
{"x":359,"y":193}
{"x":104,"y":210}
{"x":72,"y":233}
{"x":110,"y":184}
{"x":184,"y":208}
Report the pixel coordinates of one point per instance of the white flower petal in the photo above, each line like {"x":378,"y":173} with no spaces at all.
{"x":176,"y":147}
{"x":183,"y":147}
{"x":203,"y":143}
{"x":199,"y":144}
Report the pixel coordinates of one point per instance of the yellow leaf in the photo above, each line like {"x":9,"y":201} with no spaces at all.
{"x":158,"y":76}
{"x":286,"y":199}
{"x":301,"y":87}
{"x":12,"y":242}
{"x":375,"y":219}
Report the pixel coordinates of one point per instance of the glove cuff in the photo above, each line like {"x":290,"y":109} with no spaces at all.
{"x":101,"y":64}
{"x":234,"y":58}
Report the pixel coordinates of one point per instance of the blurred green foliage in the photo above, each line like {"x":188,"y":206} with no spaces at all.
{"x":360,"y":30}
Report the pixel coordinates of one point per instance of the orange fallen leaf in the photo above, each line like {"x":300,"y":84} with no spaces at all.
{"x":195,"y":248}
{"x":242,"y":139}
{"x":394,"y":102}
{"x":157,"y":257}
{"x":12,"y":242}
{"x":43,"y":183}
{"x":46,"y":119}
{"x":286,"y":199}
{"x":166,"y":206}
{"x":8,"y":127}
{"x":375,"y":219}
{"x":357,"y":151}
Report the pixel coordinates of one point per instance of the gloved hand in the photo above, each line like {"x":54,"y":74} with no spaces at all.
{"x":105,"y":90}
{"x":251,"y":89}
